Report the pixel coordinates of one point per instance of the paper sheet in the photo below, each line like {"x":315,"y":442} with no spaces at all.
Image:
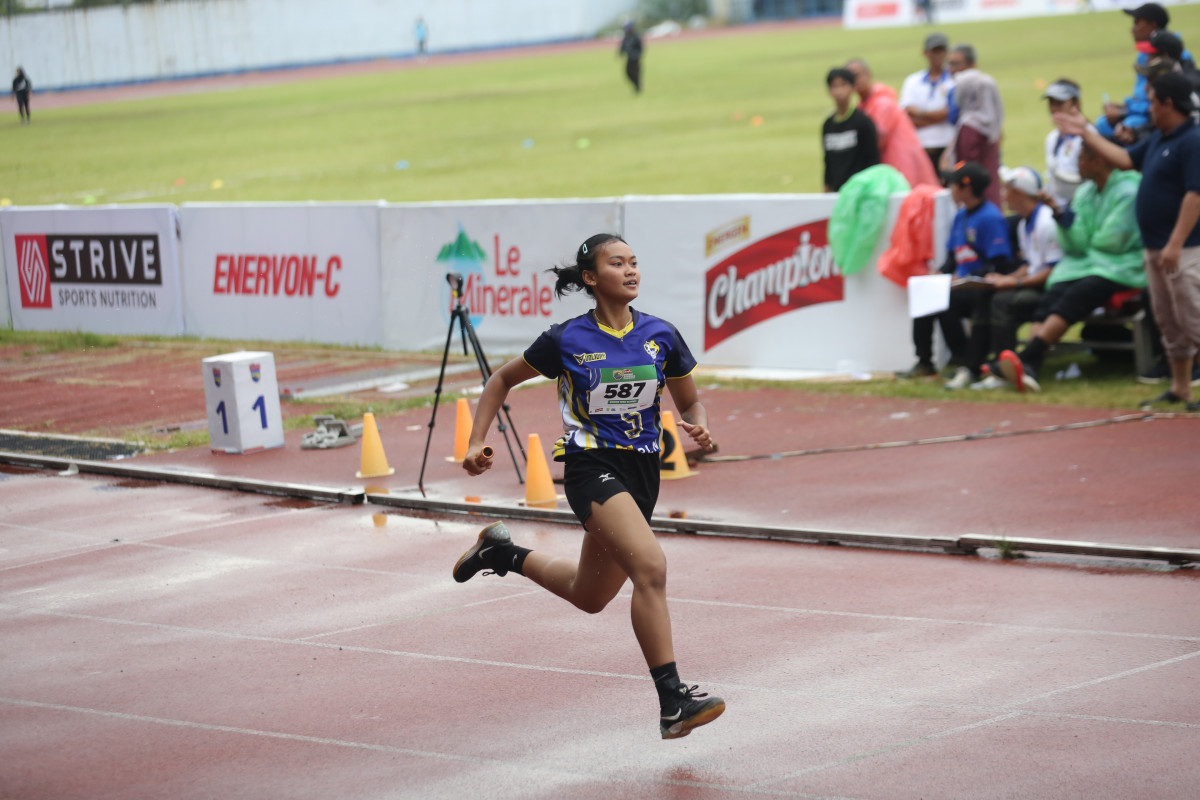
{"x":928,"y":294}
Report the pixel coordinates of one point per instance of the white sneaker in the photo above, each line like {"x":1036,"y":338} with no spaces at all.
{"x":961,"y":380}
{"x":990,"y":382}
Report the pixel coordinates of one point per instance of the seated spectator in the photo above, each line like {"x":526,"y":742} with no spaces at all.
{"x":1129,"y":121}
{"x":899,"y":146}
{"x":848,"y":135}
{"x":978,"y":116}
{"x":1062,"y":149}
{"x":1102,"y":255}
{"x":977,"y":246}
{"x":1016,"y":296}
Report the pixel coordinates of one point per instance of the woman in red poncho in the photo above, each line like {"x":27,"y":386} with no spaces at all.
{"x":899,"y":146}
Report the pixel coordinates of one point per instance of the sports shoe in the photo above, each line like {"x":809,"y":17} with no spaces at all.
{"x":1167,"y":398}
{"x":690,"y":709}
{"x":922,"y":369}
{"x":1017,"y":372}
{"x":961,"y":380}
{"x":1161,"y":372}
{"x":493,"y":541}
{"x":989,"y":382}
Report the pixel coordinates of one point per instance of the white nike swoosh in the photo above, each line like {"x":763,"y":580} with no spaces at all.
{"x":675,"y":716}
{"x":484,"y":550}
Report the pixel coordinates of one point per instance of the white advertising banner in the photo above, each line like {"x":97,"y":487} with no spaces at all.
{"x":104,"y":270}
{"x":293,"y":272}
{"x":879,"y":13}
{"x":749,"y":281}
{"x":502,"y":250}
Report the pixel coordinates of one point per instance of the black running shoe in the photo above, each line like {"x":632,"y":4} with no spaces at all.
{"x":493,"y":541}
{"x":690,"y":709}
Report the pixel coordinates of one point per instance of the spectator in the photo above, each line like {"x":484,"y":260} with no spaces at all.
{"x":631,"y":48}
{"x":977,"y":246}
{"x":1016,"y":296}
{"x":1126,"y":122}
{"x":1168,"y":207}
{"x":978,"y":116}
{"x":1101,"y":256}
{"x":848,"y":135}
{"x":899,"y":146}
{"x":1062,"y":150}
{"x":421,"y":31}
{"x":924,"y":96}
{"x":21,"y":88}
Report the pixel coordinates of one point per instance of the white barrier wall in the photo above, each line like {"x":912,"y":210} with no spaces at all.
{"x":153,"y":41}
{"x":283,"y":272}
{"x":879,"y":13}
{"x":502,"y":249}
{"x":103,"y":270}
{"x":750,"y":282}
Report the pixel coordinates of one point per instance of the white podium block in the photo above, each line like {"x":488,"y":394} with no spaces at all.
{"x":242,"y":399}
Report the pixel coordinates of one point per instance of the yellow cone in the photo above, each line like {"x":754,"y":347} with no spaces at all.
{"x":672,"y":463}
{"x":462,"y":430}
{"x":374,"y":462}
{"x":539,"y":488}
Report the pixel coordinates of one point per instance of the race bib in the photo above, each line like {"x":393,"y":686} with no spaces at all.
{"x":624,"y":389}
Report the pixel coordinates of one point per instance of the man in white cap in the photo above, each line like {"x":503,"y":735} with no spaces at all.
{"x":1017,"y":294}
{"x":924,"y":96}
{"x":1062,"y":149}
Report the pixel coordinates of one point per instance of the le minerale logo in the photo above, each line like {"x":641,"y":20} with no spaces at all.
{"x":97,"y":270}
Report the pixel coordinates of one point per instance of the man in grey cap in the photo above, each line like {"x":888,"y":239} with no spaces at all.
{"x":924,"y":97}
{"x":1062,"y":149}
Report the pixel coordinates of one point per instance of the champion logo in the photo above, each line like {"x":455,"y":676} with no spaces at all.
{"x":34,"y":271}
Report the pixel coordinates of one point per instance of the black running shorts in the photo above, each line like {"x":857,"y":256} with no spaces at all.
{"x":596,"y":475}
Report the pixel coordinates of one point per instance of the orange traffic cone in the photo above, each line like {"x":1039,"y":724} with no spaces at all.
{"x":374,"y":462}
{"x":672,"y":463}
{"x":462,"y":430}
{"x":539,"y":488}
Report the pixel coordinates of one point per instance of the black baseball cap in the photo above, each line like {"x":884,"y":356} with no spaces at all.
{"x":1151,"y":12}
{"x":1166,"y":43}
{"x":1175,"y":86}
{"x":971,"y":174}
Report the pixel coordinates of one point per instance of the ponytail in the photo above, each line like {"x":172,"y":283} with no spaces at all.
{"x":570,"y":277}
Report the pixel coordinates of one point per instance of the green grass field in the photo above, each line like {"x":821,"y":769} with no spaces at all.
{"x":463,"y":128}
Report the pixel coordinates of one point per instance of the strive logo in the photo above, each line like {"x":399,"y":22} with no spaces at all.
{"x":97,"y":270}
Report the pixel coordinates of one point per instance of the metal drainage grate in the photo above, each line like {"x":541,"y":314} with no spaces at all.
{"x":65,"y":446}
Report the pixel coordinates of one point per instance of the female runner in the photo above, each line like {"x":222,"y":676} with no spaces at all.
{"x":611,"y":365}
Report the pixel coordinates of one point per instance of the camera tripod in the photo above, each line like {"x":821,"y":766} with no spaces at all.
{"x":460,"y":313}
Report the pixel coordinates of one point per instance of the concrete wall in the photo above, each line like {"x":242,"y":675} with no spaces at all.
{"x":185,"y":38}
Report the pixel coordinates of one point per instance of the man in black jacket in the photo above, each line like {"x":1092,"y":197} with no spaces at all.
{"x":21,"y":88}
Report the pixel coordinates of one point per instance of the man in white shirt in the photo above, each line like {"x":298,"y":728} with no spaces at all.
{"x":1017,"y":294}
{"x":924,"y":97}
{"x":1062,"y":150}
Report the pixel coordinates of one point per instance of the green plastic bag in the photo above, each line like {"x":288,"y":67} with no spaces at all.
{"x":859,"y":215}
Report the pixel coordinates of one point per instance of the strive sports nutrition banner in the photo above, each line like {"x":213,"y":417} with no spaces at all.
{"x":295,"y":272}
{"x":103,"y":270}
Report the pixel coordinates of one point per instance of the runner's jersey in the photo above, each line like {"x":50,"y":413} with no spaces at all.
{"x":610,"y":382}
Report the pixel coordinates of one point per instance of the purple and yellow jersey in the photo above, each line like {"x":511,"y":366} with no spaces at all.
{"x":610,"y":382}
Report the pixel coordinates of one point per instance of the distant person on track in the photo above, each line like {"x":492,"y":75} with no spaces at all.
{"x":631,"y":48}
{"x":899,"y":146}
{"x":847,"y":135}
{"x":21,"y":88}
{"x":421,"y":31}
{"x":611,"y":365}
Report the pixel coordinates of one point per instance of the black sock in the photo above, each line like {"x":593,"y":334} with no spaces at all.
{"x":666,"y":678}
{"x":515,"y":558}
{"x":1034,"y":353}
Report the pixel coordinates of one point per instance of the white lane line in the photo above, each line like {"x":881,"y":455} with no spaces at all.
{"x":431,"y":613}
{"x":1114,"y":677}
{"x":559,"y":774}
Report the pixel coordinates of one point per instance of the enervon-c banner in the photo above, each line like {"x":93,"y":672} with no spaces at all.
{"x":282,"y":272}
{"x":750,"y":282}
{"x":103,"y":270}
{"x":501,"y":249}
{"x":878,"y":13}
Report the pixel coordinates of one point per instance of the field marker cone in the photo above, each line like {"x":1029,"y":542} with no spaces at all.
{"x":672,"y":464}
{"x":374,"y":462}
{"x":539,"y":488}
{"x":462,"y":429}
